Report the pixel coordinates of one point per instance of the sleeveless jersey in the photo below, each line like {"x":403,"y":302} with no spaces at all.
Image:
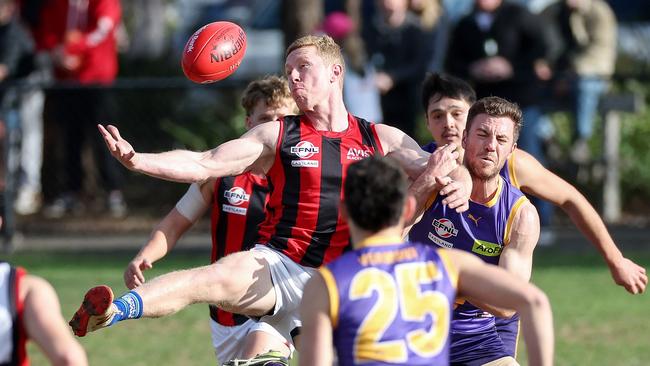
{"x":237,"y":210}
{"x":484,"y":231}
{"x":304,"y":219}
{"x":391,"y":304}
{"x":12,"y":333}
{"x":508,"y":328}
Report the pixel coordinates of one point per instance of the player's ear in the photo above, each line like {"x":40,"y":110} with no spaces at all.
{"x":248,"y":123}
{"x":409,"y":208}
{"x":337,"y":72}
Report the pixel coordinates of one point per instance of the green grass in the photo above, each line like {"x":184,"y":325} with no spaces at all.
{"x":596,"y":322}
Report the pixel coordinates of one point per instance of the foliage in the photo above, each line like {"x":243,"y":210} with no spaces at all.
{"x":634,"y":152}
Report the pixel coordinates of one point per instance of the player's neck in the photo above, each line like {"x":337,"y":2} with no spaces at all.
{"x":329,"y":116}
{"x":388,"y":236}
{"x":484,"y":191}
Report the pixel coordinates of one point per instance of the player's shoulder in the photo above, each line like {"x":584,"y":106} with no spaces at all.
{"x":526,"y":214}
{"x":391,"y":138}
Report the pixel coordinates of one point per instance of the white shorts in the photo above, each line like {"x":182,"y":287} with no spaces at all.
{"x":289,"y":279}
{"x":228,"y":342}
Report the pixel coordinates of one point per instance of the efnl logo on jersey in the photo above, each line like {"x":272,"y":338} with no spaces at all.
{"x":444,"y":228}
{"x":304,"y":150}
{"x":235,"y":196}
{"x":486,"y":248}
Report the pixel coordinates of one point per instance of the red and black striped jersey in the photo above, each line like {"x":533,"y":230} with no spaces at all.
{"x":12,"y":334}
{"x":303,"y":218}
{"x":237,"y":211}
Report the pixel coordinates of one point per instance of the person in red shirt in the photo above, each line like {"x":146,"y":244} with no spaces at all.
{"x":80,"y":37}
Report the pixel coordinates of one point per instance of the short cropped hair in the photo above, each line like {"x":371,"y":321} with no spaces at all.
{"x":496,"y":107}
{"x":273,"y":90}
{"x":375,"y":191}
{"x":326,"y":47}
{"x":446,"y":86}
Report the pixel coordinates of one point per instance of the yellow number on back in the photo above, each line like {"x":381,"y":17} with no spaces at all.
{"x":367,"y":345}
{"x":414,"y":305}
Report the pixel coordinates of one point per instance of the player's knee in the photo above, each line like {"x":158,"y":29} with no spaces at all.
{"x":232,"y":275}
{"x":538,"y":299}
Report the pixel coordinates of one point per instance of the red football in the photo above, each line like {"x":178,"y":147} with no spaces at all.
{"x":214,"y":52}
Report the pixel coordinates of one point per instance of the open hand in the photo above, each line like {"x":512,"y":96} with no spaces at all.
{"x":119,"y":147}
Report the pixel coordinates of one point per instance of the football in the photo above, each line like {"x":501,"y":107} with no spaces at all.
{"x":214,"y":52}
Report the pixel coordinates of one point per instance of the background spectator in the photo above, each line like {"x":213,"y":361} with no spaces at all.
{"x":584,"y":35}
{"x":360,"y":93}
{"x":22,"y":106}
{"x":394,"y":41}
{"x":31,"y":100}
{"x":80,"y":36}
{"x":435,"y":24}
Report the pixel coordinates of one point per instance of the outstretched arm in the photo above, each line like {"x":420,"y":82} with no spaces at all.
{"x":492,"y":284}
{"x":534,"y":179}
{"x":167,"y":233}
{"x":45,"y":325}
{"x":315,"y":347}
{"x":254,"y":150}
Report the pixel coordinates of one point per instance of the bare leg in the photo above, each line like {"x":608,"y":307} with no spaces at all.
{"x":240,"y":283}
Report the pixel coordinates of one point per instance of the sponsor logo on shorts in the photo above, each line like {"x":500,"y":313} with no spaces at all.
{"x":304,"y":149}
{"x":234,"y":209}
{"x":236,"y":196}
{"x":486,"y":248}
{"x":440,"y":242}
{"x":357,"y":154}
{"x":304,"y":163}
{"x":444,"y":228}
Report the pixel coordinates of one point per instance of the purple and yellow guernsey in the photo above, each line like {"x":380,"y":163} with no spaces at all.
{"x":483,"y":230}
{"x":391,"y":304}
{"x":508,"y":329}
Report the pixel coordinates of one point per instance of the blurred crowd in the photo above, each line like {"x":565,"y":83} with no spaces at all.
{"x":565,"y":51}
{"x":540,"y":54}
{"x":74,"y":43}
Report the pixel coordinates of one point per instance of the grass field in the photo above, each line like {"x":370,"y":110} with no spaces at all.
{"x":596,"y":322}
